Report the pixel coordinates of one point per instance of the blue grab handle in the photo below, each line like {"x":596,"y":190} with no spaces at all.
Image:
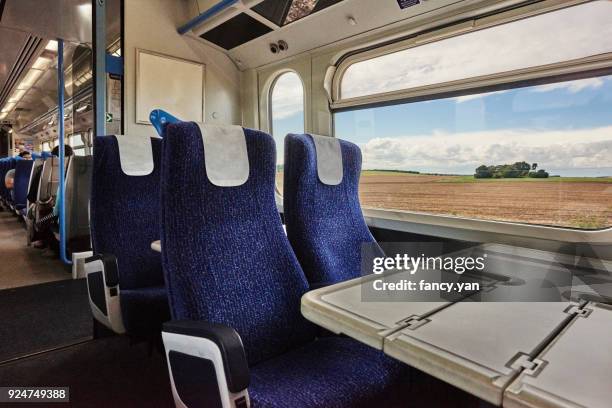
{"x":159,"y":118}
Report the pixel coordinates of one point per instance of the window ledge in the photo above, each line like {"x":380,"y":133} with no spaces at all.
{"x":477,"y":230}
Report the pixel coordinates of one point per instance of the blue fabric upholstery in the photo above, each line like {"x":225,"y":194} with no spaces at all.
{"x":227,"y":260}
{"x":4,"y":167}
{"x":325,"y":224}
{"x":225,"y":255}
{"x":124,"y":222}
{"x":23,"y":170}
{"x":329,"y":372}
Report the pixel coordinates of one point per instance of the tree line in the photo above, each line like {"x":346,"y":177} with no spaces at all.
{"x":516,"y":170}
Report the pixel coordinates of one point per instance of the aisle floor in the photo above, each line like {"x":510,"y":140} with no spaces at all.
{"x":21,"y":265}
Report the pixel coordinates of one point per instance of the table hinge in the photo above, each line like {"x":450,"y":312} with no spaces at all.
{"x":580,"y":311}
{"x":529,"y":365}
{"x":414,"y":322}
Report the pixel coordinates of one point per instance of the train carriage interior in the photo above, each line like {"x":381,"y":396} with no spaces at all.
{"x":306,"y":203}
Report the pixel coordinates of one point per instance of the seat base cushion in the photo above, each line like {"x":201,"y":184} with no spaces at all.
{"x":329,"y":372}
{"x":144,"y":310}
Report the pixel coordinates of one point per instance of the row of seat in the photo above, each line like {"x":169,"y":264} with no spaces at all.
{"x":43,"y":171}
{"x":228,"y":276}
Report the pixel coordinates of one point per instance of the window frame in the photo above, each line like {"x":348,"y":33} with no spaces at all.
{"x":269,"y":89}
{"x":270,"y":106}
{"x":485,"y":83}
{"x":456,"y":227}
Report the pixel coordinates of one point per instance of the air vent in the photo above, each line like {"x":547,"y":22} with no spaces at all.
{"x":2,"y":4}
{"x":21,"y":63}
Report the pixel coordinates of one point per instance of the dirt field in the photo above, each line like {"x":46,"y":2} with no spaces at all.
{"x":569,"y":202}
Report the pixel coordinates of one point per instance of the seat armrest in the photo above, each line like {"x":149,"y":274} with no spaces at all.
{"x":103,"y":290}
{"x":207,"y":364}
{"x":109,"y":263}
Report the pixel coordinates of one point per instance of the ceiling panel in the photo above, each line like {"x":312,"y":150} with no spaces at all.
{"x":67,"y":19}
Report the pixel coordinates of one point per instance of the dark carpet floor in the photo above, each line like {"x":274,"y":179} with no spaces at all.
{"x":105,"y":372}
{"x":42,"y":317}
{"x":111,"y":372}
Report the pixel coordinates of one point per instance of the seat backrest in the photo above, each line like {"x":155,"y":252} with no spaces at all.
{"x":226,"y":258}
{"x":4,"y":167}
{"x":8,"y":165}
{"x":23,"y":171}
{"x":125,"y":213}
{"x":77,"y":193}
{"x":36,"y":173}
{"x":324,"y":221}
{"x":49,"y":178}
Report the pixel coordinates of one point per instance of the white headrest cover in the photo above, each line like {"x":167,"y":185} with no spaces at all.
{"x":225,"y":155}
{"x":329,"y":159}
{"x":135,"y":154}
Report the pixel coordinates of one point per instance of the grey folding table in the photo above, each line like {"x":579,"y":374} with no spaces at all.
{"x":498,"y":351}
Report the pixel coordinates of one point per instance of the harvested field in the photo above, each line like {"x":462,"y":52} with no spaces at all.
{"x":567,"y":202}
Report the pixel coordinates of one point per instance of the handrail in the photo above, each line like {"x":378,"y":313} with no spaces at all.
{"x":159,"y":118}
{"x":216,"y":9}
{"x":62,"y":152}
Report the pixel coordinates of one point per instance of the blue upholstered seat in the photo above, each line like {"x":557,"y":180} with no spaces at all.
{"x":324,"y":222}
{"x":329,"y":372}
{"x":227,"y":260}
{"x":5,"y":165}
{"x":124,"y":222}
{"x":23,"y":170}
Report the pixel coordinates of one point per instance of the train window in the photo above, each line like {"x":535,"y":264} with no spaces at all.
{"x":563,"y":35}
{"x":286,"y":115}
{"x":538,"y":154}
{"x":75,"y":141}
{"x":46,"y":147}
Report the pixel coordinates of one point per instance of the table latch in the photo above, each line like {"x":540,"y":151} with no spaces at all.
{"x":414,"y":322}
{"x":580,"y":311}
{"x":529,"y":365}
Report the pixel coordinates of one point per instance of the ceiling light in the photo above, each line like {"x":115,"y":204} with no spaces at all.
{"x":3,"y":115}
{"x":17,"y":95}
{"x":8,"y":106}
{"x":82,"y":108}
{"x":41,"y":63}
{"x":51,"y":46}
{"x":10,"y":131}
{"x":30,"y":79}
{"x":50,"y":123}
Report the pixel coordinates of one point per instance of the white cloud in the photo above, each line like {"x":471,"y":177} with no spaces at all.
{"x":563,"y":35}
{"x":287,"y":96}
{"x":571,"y":86}
{"x":463,"y":152}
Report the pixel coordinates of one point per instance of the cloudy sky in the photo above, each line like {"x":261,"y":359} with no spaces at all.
{"x":563,"y":35}
{"x":287,"y":101}
{"x":565,"y":127}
